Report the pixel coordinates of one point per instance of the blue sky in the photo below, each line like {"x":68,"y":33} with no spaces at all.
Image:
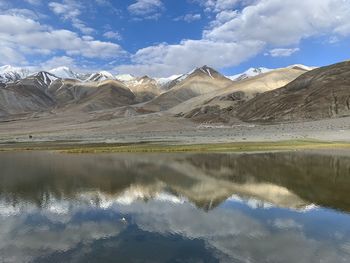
{"x":165,"y":37}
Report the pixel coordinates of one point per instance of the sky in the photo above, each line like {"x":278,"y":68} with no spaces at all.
{"x":160,"y":38}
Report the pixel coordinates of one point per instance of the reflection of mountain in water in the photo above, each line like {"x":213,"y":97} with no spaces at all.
{"x":292,"y":180}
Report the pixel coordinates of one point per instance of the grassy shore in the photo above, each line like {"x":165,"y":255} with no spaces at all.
{"x":169,"y":147}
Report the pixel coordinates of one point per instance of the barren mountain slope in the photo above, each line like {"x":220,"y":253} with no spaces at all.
{"x":317,"y":94}
{"x":200,"y":81}
{"x":27,"y":95}
{"x":144,"y":88}
{"x":220,"y":105}
{"x":90,"y":96}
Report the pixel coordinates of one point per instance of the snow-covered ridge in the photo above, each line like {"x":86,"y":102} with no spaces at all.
{"x":125,"y":77}
{"x":251,"y":72}
{"x":64,"y":73}
{"x":11,"y":74}
{"x":45,"y":77}
{"x":178,"y":78}
{"x":163,"y":81}
{"x":101,"y":76}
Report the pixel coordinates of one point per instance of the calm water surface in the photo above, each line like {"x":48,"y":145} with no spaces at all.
{"x":272,"y":207}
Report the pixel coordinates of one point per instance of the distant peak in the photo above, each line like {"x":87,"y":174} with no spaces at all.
{"x":301,"y":67}
{"x":249,"y":73}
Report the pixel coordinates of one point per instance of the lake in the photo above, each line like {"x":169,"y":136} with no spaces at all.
{"x":258,"y":207}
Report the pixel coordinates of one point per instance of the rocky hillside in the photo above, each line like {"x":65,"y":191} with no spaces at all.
{"x":144,"y":88}
{"x":221,"y":105}
{"x":198,"y":82}
{"x":318,"y":94}
{"x":45,"y":92}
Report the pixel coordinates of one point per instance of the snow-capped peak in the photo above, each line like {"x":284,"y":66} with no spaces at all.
{"x":101,"y":76}
{"x":64,"y":73}
{"x":46,"y":77}
{"x":125,"y":77}
{"x":251,"y":72}
{"x":11,"y":74}
{"x":202,"y":70}
{"x":163,"y":81}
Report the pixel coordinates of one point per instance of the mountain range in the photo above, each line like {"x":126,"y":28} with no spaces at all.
{"x":202,"y":95}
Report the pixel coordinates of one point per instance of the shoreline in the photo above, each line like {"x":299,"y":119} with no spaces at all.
{"x":170,"y":147}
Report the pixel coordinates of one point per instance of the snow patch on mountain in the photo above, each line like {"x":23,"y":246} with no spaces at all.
{"x":252,"y":72}
{"x":100,"y":76}
{"x":125,"y":77}
{"x":164,"y":81}
{"x":45,"y":77}
{"x":64,"y":73}
{"x":12,"y":74}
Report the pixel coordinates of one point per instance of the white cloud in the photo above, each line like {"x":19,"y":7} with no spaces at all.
{"x":237,"y":35}
{"x":282,"y":52}
{"x":55,"y":62}
{"x":71,"y":10}
{"x":147,"y":9}
{"x":189,"y":18}
{"x":165,"y":60}
{"x":9,"y":55}
{"x":21,"y":36}
{"x":113,"y":35}
{"x":274,"y":22}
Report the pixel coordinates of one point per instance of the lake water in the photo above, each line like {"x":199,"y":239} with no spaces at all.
{"x":271,"y":207}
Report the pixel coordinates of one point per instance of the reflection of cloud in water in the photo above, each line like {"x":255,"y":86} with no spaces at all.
{"x":236,"y":235}
{"x":21,"y":241}
{"x":231,"y":233}
{"x":67,"y":203}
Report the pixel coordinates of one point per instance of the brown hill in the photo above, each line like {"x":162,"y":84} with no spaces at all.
{"x":144,"y":88}
{"x":44,"y":92}
{"x":317,"y":94}
{"x":221,"y":105}
{"x":90,"y":96}
{"x":27,"y":95}
{"x":200,"y":81}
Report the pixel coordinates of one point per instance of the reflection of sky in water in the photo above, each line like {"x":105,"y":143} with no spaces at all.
{"x":169,"y":228}
{"x":174,"y":208}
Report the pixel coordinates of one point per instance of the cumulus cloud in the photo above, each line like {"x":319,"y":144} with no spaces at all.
{"x":273,"y":22}
{"x":56,"y":61}
{"x":165,"y":59}
{"x":146,"y":9}
{"x":21,"y":36}
{"x":282,"y":52}
{"x":71,"y":10}
{"x":236,"y":35}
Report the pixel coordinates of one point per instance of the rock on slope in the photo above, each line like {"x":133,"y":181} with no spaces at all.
{"x":200,"y":81}
{"x":318,"y":94}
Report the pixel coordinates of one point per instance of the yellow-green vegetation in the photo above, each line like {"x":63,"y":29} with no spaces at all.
{"x":170,"y":147}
